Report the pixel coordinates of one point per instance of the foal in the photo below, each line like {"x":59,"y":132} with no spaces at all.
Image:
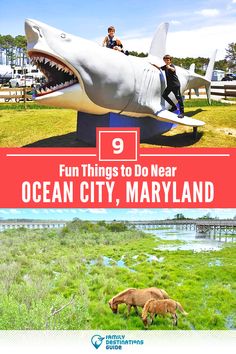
{"x":161,"y":307}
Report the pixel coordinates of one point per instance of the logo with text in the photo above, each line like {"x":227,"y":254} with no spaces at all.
{"x":115,"y":342}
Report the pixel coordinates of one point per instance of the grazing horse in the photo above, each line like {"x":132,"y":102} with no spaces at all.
{"x":161,"y":307}
{"x":136,"y":297}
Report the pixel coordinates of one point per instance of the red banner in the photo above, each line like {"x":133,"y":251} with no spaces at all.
{"x":115,"y":174}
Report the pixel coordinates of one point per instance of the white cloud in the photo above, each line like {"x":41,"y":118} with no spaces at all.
{"x":53,"y":211}
{"x":191,"y":43}
{"x":233,"y":1}
{"x":141,"y":212}
{"x":174,"y":22}
{"x":73,"y":211}
{"x":202,"y":41}
{"x":15,"y":211}
{"x":96,"y":211}
{"x":208,"y":12}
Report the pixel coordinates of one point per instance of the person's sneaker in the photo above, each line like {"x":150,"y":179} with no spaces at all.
{"x":181,"y":115}
{"x":173,"y":109}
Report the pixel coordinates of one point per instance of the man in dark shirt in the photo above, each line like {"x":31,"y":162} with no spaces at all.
{"x":173,"y":85}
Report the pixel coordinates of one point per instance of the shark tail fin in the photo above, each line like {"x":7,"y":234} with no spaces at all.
{"x":196,"y":90}
{"x":210,"y":67}
{"x":208,"y":76}
{"x":208,"y":91}
{"x":158,"y":45}
{"x":192,"y":68}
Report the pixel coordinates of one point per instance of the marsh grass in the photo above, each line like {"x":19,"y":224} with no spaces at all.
{"x":41,"y":270}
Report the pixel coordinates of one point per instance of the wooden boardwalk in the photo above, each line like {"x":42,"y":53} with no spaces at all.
{"x":8,"y":225}
{"x":215,"y":227}
{"x":201,"y":226}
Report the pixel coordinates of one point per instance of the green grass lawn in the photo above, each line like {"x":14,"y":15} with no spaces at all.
{"x":23,"y":127}
{"x":43,"y":270}
{"x":219,"y":130}
{"x":48,"y":127}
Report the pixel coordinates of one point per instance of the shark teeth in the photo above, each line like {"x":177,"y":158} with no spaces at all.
{"x":58,"y":75}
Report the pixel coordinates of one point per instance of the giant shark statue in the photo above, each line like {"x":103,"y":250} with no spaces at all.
{"x":86,"y":77}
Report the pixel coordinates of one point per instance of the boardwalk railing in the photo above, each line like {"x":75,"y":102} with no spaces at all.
{"x":7,"y":225}
{"x":184,"y":222}
{"x":201,"y":226}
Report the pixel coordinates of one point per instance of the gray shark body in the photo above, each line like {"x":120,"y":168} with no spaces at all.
{"x":87,"y":77}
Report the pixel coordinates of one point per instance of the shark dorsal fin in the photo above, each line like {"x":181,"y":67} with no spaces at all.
{"x":158,"y":44}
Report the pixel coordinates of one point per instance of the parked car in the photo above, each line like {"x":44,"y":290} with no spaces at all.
{"x":22,"y":80}
{"x":229,"y":77}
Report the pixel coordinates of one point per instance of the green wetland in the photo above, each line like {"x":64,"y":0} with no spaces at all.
{"x":63,"y":279}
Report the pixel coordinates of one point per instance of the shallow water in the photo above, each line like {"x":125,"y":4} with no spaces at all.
{"x":190,"y":240}
{"x":108,"y":262}
{"x":229,"y":322}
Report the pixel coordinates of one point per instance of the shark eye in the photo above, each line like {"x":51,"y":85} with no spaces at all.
{"x":63,"y":35}
{"x":38,"y":29}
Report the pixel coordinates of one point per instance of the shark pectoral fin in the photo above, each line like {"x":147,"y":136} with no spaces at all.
{"x":167,"y":116}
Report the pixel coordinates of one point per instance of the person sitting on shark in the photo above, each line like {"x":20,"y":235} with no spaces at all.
{"x":110,"y":41}
{"x":173,"y":85}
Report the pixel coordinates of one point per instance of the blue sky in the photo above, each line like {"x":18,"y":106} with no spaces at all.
{"x":196,"y":27}
{"x":111,"y":214}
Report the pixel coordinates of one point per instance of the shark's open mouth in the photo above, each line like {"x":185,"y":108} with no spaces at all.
{"x":58,"y":74}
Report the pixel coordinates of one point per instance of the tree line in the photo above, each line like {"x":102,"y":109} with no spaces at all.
{"x":14,"y":50}
{"x":201,"y":63}
{"x":207,"y":216}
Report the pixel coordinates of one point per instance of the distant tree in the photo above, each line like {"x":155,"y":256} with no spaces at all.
{"x":231,"y":55}
{"x":101,"y":223}
{"x":221,"y":65}
{"x":137,"y":54}
{"x":21,"y":48}
{"x":7,"y":44}
{"x":21,"y":42}
{"x":206,"y":217}
{"x":142,"y":55}
{"x":179,"y":216}
{"x":117,"y":227}
{"x":14,"y":49}
{"x":64,"y":231}
{"x":75,"y":219}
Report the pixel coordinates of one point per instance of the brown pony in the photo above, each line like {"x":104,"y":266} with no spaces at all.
{"x":161,"y":307}
{"x":136,"y":297}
